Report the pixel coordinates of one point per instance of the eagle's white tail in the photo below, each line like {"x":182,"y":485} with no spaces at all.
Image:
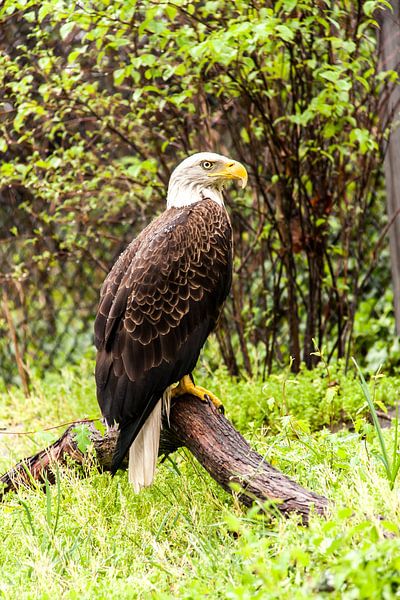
{"x":144,"y":451}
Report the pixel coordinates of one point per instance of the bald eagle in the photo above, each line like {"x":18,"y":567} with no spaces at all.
{"x":159,"y":303}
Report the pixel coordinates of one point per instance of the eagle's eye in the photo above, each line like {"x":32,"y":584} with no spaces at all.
{"x":206,"y":164}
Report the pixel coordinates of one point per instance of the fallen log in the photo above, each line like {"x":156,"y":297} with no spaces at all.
{"x":213,"y":440}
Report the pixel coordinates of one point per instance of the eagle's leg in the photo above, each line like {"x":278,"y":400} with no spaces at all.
{"x":187,"y":386}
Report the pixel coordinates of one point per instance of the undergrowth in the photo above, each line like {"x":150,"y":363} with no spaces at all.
{"x":92,"y":537}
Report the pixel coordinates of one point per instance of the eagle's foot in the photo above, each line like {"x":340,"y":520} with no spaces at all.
{"x":186,"y":386}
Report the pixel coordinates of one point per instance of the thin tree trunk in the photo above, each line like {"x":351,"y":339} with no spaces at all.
{"x":389,"y":55}
{"x":14,"y":337}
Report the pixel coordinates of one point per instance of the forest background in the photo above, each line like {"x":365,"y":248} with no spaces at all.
{"x":101,"y":100}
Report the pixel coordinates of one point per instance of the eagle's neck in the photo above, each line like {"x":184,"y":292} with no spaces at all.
{"x":181,"y":193}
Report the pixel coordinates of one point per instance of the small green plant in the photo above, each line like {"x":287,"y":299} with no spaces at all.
{"x":82,"y":437}
{"x":391,"y":464}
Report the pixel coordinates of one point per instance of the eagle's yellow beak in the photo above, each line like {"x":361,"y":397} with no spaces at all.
{"x":232,"y":170}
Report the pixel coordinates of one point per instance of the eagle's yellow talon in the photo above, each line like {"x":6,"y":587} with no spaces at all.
{"x":186,"y":386}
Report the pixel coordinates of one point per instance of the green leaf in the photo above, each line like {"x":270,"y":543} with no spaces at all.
{"x":171,"y":12}
{"x":82,"y":437}
{"x":370,"y":7}
{"x":285,"y":33}
{"x":45,"y":9}
{"x":331,"y":75}
{"x":66,"y":29}
{"x":120,"y":75}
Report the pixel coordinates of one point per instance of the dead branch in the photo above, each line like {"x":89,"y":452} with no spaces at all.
{"x":213,"y":440}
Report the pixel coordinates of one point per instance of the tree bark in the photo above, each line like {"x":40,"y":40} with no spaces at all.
{"x":213,"y":440}
{"x":389,"y":56}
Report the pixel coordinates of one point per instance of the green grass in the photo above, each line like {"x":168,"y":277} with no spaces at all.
{"x":390,"y":460}
{"x":92,"y":537}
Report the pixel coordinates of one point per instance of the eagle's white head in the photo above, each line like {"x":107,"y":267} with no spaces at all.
{"x":203,"y":175}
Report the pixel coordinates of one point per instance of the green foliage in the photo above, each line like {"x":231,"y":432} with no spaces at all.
{"x":375,"y":338}
{"x":101,"y":99}
{"x":185,"y":537}
{"x":298,"y":404}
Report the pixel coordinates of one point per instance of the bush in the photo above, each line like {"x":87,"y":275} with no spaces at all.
{"x":101,"y":99}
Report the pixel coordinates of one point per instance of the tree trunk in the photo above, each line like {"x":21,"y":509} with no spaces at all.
{"x":389,"y":55}
{"x":222,"y":451}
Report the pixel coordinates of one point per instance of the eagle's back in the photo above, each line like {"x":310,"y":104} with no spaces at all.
{"x":158,"y":304}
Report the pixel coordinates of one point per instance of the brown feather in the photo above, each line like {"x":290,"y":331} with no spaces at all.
{"x":158,"y":304}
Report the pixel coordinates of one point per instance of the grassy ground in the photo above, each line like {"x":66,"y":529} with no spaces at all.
{"x":186,"y":538}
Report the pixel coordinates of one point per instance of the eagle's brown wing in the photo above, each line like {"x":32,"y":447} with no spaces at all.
{"x":159,"y":303}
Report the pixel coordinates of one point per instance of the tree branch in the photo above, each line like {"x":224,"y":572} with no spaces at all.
{"x":212,"y":439}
